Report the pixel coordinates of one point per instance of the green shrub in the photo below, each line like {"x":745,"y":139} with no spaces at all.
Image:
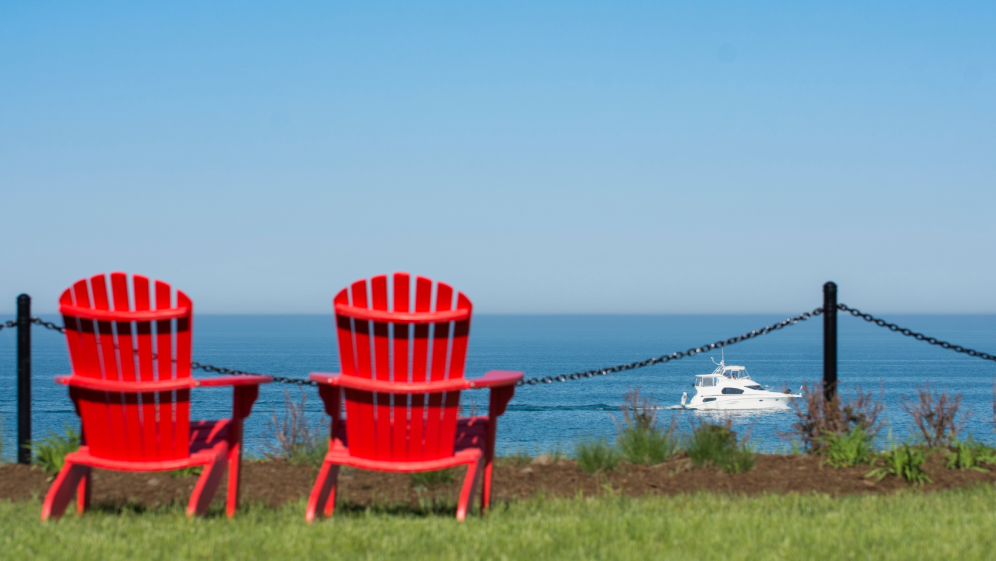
{"x":741,"y":460}
{"x":292,"y":438}
{"x":641,"y":440}
{"x":50,"y":452}
{"x":310,"y":453}
{"x":847,"y":449}
{"x":969,"y":455}
{"x":596,"y":455}
{"x":716,"y":445}
{"x":816,"y":416}
{"x":432,"y":478}
{"x":938,"y":416}
{"x":904,"y":461}
{"x":646,"y":446}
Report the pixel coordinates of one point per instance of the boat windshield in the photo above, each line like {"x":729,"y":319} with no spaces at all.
{"x":737,"y":374}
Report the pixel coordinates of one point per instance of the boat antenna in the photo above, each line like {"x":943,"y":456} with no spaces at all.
{"x":722,"y":360}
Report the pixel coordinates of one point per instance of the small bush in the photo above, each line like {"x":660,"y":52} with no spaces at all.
{"x":641,"y":440}
{"x":741,"y":460}
{"x":904,"y":461}
{"x":716,"y":445}
{"x":292,"y":438}
{"x":596,"y":455}
{"x":818,"y":416}
{"x":432,"y":478}
{"x":848,"y":449}
{"x":970,"y":455}
{"x":50,"y":452}
{"x":937,"y":416}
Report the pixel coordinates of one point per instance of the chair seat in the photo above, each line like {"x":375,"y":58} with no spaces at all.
{"x":208,"y":440}
{"x":471,"y":436}
{"x":340,"y":455}
{"x":470,"y":433}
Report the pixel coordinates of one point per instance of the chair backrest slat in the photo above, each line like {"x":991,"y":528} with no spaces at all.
{"x":126,"y":426}
{"x":109,"y":366}
{"x":401,"y":427}
{"x":434,"y":447}
{"x":146,"y":362}
{"x":400,"y":440}
{"x":182,"y":360}
{"x":127,"y":370}
{"x":164,"y":371}
{"x":420,"y":361}
{"x":381,"y":368}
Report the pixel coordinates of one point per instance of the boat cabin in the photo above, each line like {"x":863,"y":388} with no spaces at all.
{"x":735,"y":372}
{"x":707,"y":380}
{"x":723,"y":375}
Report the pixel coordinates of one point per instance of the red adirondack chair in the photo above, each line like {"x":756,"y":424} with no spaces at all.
{"x":131,"y":388}
{"x":402,"y":373}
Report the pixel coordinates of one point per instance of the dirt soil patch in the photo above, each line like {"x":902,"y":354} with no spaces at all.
{"x":275,"y":483}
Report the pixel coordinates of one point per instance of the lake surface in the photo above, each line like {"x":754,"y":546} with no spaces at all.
{"x":546,"y":417}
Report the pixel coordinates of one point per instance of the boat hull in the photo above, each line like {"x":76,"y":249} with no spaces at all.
{"x":740,"y":402}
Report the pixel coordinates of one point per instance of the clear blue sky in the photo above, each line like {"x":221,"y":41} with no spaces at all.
{"x":570,"y":157}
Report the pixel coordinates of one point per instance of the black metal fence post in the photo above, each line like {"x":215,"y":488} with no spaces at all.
{"x":829,"y":340}
{"x":23,"y":378}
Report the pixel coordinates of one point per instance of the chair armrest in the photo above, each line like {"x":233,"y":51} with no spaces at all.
{"x":100,"y":384}
{"x":234,"y":381}
{"x":325,"y":378}
{"x":156,"y":385}
{"x":496,"y":378}
{"x":386,"y":386}
{"x":331,"y":394}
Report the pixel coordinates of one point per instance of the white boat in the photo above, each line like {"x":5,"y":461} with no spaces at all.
{"x":731,"y":387}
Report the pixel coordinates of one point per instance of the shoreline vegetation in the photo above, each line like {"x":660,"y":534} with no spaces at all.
{"x":648,"y":456}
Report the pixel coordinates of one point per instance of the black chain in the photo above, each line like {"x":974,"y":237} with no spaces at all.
{"x":910,"y":333}
{"x":233,"y":372}
{"x":10,"y":323}
{"x":48,"y":325}
{"x":622,"y":367}
{"x":673,"y":356}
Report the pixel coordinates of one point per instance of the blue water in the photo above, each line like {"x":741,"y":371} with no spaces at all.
{"x":553,"y":416}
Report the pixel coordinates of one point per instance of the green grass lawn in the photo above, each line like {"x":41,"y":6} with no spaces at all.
{"x":911,"y":525}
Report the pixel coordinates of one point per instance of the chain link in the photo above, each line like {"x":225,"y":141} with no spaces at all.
{"x":10,"y":323}
{"x":48,"y":325}
{"x":232,"y":372}
{"x":673,"y":356}
{"x":910,"y":333}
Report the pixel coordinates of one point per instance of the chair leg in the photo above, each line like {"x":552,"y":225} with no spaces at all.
{"x":234,"y":467}
{"x":322,"y":499}
{"x":489,"y":456}
{"x":469,"y":486}
{"x":206,"y":486}
{"x":83,"y":491}
{"x":62,"y":490}
{"x":486,"y":485}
